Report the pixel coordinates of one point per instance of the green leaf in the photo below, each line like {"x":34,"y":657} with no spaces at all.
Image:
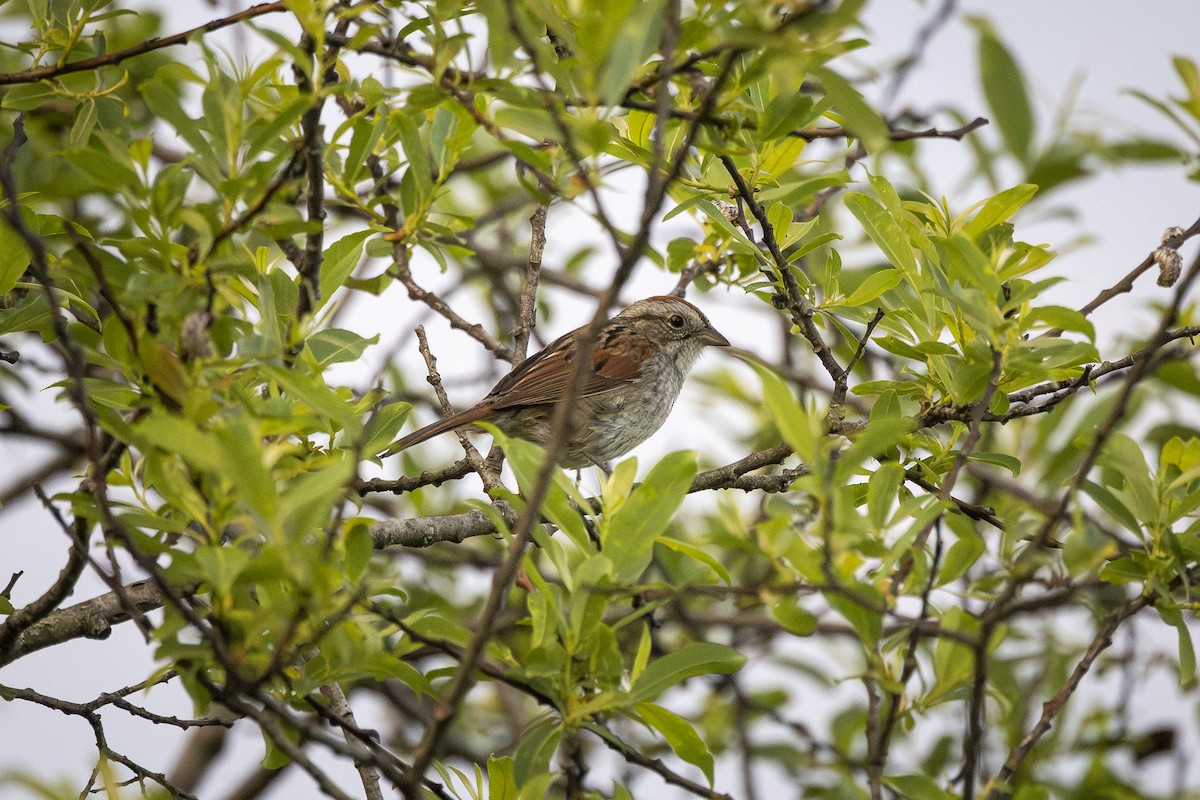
{"x":883,"y":490}
{"x":801,"y":429}
{"x":691,"y":660}
{"x":220,"y":566}
{"x":275,"y":757}
{"x":680,"y":735}
{"x":953,"y":661}
{"x":968,"y":265}
{"x":85,"y":123}
{"x":877,"y":283}
{"x":14,"y":257}
{"x":341,"y":258}
{"x":318,"y":397}
{"x":630,"y":532}
{"x":999,"y":208}
{"x":779,"y":217}
{"x":419,"y":169}
{"x":536,"y":748}
{"x":1004,"y":90}
{"x":885,"y":231}
{"x":502,"y":779}
{"x":1143,"y":149}
{"x":684,"y":206}
{"x":243,"y":463}
{"x":867,"y":622}
{"x":1187,"y":652}
{"x":737,"y":239}
{"x":794,"y":618}
{"x":1002,"y":460}
{"x":563,"y":500}
{"x":382,"y":427}
{"x":797,"y":231}
{"x":163,"y":100}
{"x":1190,"y":75}
{"x":335,"y":346}
{"x":1129,"y":476}
{"x":1112,"y":506}
{"x":27,"y":97}
{"x":1124,"y":570}
{"x":917,"y":787}
{"x":642,"y":657}
{"x":857,"y":116}
{"x":875,"y":441}
{"x":888,"y":404}
{"x":536,"y":123}
{"x":961,"y":556}
{"x":359,"y":546}
{"x":785,"y":113}
{"x":365,"y":134}
{"x":306,"y":500}
{"x":635,"y":39}
{"x":693,"y":552}
{"x":1068,"y":319}
{"x":176,"y":435}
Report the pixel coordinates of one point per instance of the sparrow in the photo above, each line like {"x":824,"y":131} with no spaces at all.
{"x":638,"y":365}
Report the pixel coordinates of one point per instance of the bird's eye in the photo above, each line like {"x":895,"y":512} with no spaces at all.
{"x":676,"y":321}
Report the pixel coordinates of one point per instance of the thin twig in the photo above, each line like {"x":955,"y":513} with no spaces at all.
{"x":916,"y":52}
{"x":1126,"y":284}
{"x":635,"y":756}
{"x":838,"y":397}
{"x":971,"y":510}
{"x":290,"y":171}
{"x":487,"y":474}
{"x":997,"y":786}
{"x":527,"y":314}
{"x":801,"y":310}
{"x":117,"y":56}
{"x":409,"y":483}
{"x":878,"y":746}
{"x":401,"y":271}
{"x":89,"y":714}
{"x":689,"y":274}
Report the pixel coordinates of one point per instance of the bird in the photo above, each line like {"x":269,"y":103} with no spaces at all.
{"x":639,"y":362}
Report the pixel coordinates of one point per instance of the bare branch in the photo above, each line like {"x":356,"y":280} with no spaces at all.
{"x":406,"y":483}
{"x":527,"y":317}
{"x":1126,"y":284}
{"x":838,"y":397}
{"x":400,"y":270}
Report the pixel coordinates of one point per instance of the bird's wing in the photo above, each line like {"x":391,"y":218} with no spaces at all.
{"x":542,"y":378}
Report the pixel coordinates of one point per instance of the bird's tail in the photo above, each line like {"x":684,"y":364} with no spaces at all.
{"x":472,"y":414}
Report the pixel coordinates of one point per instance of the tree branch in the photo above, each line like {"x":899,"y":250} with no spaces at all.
{"x":116,"y":57}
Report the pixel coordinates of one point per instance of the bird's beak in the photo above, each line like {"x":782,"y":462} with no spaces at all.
{"x":711,"y":336}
